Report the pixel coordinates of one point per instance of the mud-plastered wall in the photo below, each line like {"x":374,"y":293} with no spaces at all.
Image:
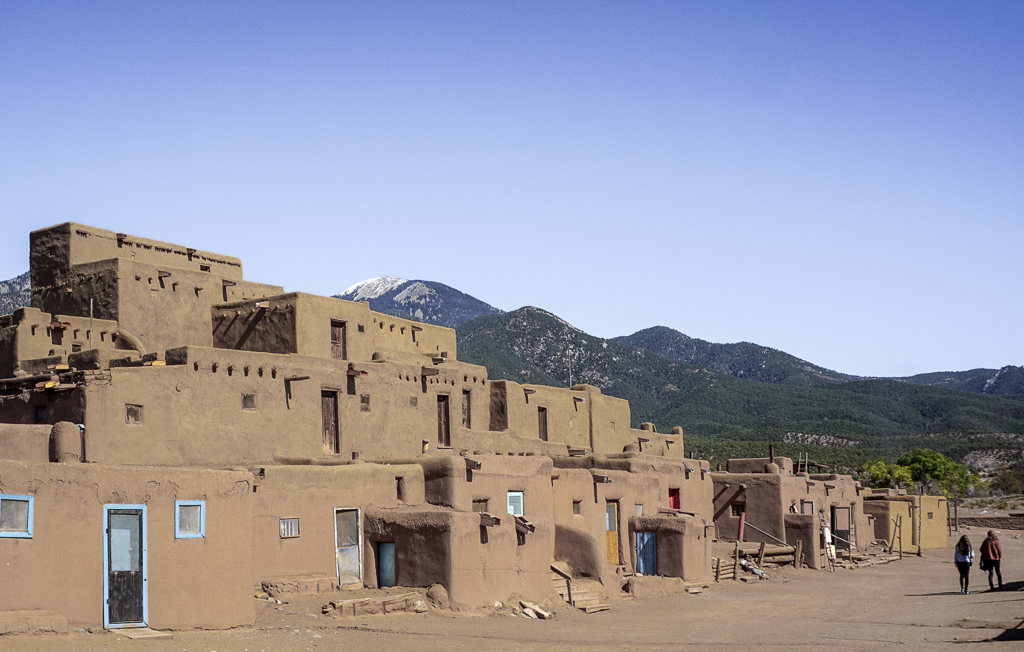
{"x":33,"y":334}
{"x":311,"y":494}
{"x":758,"y":496}
{"x":192,"y":582}
{"x":827,"y":493}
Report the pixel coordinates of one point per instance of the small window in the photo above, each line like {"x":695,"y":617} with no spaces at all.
{"x":575,"y":507}
{"x":638,"y":509}
{"x":400,"y":489}
{"x":204,"y":268}
{"x":364,"y":403}
{"x":248,"y":401}
{"x":515,"y":503}
{"x":16,"y":515}
{"x":40,"y":414}
{"x":737,"y":509}
{"x":412,"y":401}
{"x":931,"y":514}
{"x":189,"y":519}
{"x":480,"y":506}
{"x":289,"y":528}
{"x":133,"y":413}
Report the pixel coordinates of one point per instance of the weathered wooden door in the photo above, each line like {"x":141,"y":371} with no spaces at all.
{"x":611,"y":511}
{"x":125,"y":565}
{"x":339,"y":345}
{"x":386,"y":564}
{"x":444,"y":428}
{"x":347,"y":546}
{"x":329,"y":410}
{"x":841,"y":527}
{"x":646,"y":553}
{"x":542,"y":423}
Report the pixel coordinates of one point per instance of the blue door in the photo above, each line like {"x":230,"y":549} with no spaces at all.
{"x":385,"y":564}
{"x":646,"y":554}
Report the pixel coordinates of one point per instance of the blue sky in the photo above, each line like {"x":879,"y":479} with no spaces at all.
{"x":841,"y":181}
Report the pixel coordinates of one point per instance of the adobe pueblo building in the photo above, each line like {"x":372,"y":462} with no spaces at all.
{"x":173,"y":436}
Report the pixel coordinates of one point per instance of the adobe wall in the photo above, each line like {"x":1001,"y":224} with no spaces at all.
{"x":760,"y":498}
{"x":25,"y":442}
{"x":926,"y":526}
{"x":53,"y":252}
{"x":388,"y":412}
{"x":827,"y":490}
{"x":38,"y":405}
{"x":195,"y":582}
{"x":683,"y":545}
{"x":452,"y":482}
{"x":301,"y":323}
{"x":30,"y":334}
{"x":311,"y":493}
{"x":760,"y":465}
{"x":803,"y":529}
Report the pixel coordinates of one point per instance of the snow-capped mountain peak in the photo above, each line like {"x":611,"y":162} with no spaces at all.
{"x":372,"y":288}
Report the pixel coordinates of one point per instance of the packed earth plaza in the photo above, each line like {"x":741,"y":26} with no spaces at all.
{"x":190,"y":460}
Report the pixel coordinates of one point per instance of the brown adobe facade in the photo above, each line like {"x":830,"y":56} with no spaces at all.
{"x":777,"y":505}
{"x":908,"y":523}
{"x":155,"y":403}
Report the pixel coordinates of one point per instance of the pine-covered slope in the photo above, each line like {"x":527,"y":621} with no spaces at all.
{"x":15,"y":293}
{"x":742,"y":360}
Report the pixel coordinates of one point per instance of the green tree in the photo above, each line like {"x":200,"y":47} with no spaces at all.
{"x":932,"y":469}
{"x":882,"y":474}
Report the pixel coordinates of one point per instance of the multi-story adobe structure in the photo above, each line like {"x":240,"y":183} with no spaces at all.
{"x":172,"y":436}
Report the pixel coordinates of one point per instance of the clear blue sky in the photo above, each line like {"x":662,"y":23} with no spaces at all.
{"x":838,"y":180}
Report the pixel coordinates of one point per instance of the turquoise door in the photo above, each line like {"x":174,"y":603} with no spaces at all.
{"x":646,"y":553}
{"x":386,"y":564}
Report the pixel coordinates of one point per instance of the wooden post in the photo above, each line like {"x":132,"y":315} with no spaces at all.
{"x":798,"y":559}
{"x":743,"y":522}
{"x":760,"y":554}
{"x":736,"y":562}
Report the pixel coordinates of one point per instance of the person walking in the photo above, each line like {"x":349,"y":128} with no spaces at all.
{"x":991,"y":553}
{"x":963,"y":555}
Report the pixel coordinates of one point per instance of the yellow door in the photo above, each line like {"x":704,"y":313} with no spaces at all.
{"x":612,"y":526}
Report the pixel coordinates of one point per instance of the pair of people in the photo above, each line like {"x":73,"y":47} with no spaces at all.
{"x":991,"y":555}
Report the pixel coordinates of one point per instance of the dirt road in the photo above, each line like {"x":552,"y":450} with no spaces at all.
{"x":914,"y":604}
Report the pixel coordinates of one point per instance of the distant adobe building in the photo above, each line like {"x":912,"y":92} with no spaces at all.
{"x":173,"y":436}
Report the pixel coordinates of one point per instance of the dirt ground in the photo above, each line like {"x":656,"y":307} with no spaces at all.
{"x":913,"y":604}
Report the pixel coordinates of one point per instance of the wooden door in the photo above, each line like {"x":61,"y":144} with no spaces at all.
{"x":646,"y":553}
{"x":612,"y":526}
{"x":674,"y":501}
{"x":339,"y":348}
{"x":329,"y":410}
{"x":444,"y":429}
{"x":125,"y":564}
{"x":841,"y":527}
{"x":542,"y":423}
{"x":346,"y":546}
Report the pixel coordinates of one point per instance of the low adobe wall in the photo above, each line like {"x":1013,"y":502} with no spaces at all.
{"x":993,"y":522}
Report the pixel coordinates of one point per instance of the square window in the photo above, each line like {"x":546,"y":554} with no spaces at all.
{"x":248,"y":401}
{"x":737,"y":510}
{"x":189,"y":519}
{"x":638,"y":509}
{"x":289,"y":528}
{"x":16,"y":513}
{"x":133,"y":414}
{"x":575,"y":507}
{"x":480,"y":506}
{"x":931,"y":514}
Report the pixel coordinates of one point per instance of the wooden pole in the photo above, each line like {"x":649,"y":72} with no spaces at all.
{"x":798,"y":559}
{"x":736,"y":562}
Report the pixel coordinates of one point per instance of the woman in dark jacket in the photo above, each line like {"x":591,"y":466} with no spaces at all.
{"x":991,"y":553}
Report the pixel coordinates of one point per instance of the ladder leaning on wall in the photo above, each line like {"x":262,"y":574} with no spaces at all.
{"x":828,"y":549}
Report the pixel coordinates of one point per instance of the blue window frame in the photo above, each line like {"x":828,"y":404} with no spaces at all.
{"x":16,"y":513}
{"x":189,"y":519}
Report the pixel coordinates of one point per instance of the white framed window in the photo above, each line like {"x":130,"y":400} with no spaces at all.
{"x":16,"y":512}
{"x":289,"y":528}
{"x":515,"y":503}
{"x":189,"y":519}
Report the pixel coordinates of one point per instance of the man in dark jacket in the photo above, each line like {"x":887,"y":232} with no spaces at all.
{"x":991,"y":553}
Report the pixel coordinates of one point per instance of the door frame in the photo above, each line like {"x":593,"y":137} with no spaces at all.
{"x":359,"y":541}
{"x":143,"y":536}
